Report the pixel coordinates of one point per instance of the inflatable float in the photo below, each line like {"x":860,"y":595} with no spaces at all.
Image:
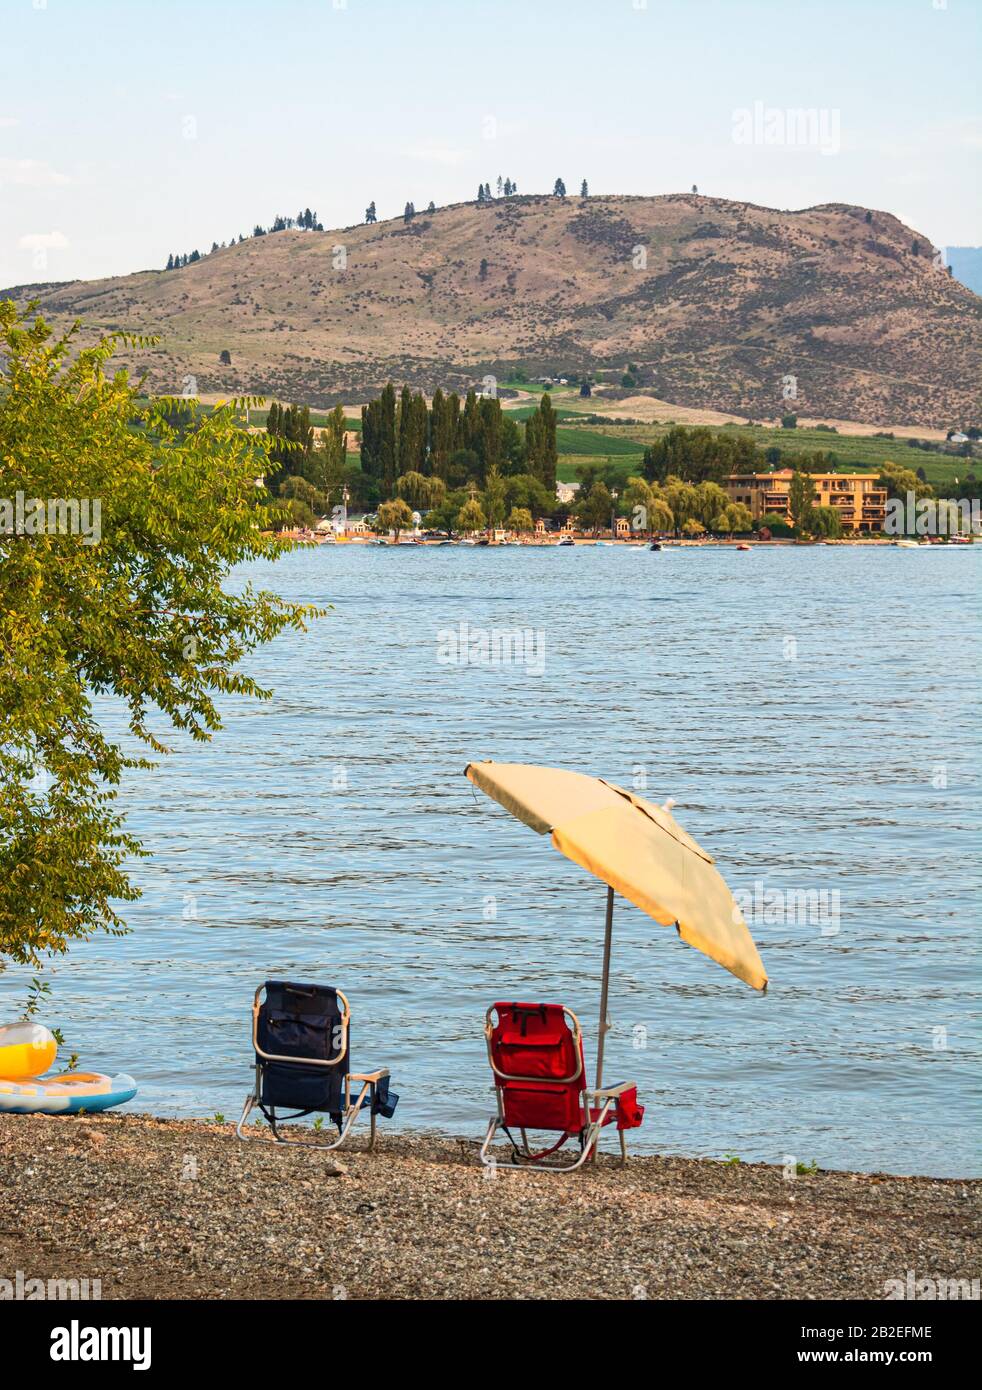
{"x":27,"y":1050}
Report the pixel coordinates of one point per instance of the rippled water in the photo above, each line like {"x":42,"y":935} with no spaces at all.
{"x":815,"y":715}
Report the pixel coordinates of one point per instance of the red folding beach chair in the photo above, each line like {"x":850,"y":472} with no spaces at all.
{"x":536,"y":1054}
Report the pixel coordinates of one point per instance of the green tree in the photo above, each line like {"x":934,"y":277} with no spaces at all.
{"x":735,"y":519}
{"x":130,"y":605}
{"x":464,"y":467}
{"x":471,"y":517}
{"x":394,"y":516}
{"x":413,"y":429}
{"x":378,"y":440}
{"x":699,"y":455}
{"x":520,"y":521}
{"x":593,"y":511}
{"x":775,"y":523}
{"x":444,"y":431}
{"x":489,"y":433}
{"x":801,"y":500}
{"x":494,"y":497}
{"x":419,"y":491}
{"x":826,"y":521}
{"x":540,"y":443}
{"x":710,"y":504}
{"x":647,"y":507}
{"x":332,"y":459}
{"x":300,"y":490}
{"x":681,"y":498}
{"x":470,"y":424}
{"x":443,"y":516}
{"x":525,"y":491}
{"x":898,"y":481}
{"x":661,"y":518}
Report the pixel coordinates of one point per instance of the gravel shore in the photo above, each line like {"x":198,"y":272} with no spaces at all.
{"x":181,"y":1209}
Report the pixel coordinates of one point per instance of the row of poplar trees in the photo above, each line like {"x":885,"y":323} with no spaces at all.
{"x":400,"y":435}
{"x":293,"y":452}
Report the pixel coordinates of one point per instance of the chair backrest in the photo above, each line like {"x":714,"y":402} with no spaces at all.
{"x":301,"y":1036}
{"x":537,"y":1060}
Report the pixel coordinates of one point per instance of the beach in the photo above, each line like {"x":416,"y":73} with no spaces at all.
{"x":181,"y":1209}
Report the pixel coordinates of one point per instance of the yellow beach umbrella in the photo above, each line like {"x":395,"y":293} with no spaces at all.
{"x":639,"y":850}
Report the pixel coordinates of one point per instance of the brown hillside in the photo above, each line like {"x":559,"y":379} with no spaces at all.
{"x":732,"y":297}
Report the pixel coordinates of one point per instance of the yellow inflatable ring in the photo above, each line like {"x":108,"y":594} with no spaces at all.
{"x":26,"y":1049}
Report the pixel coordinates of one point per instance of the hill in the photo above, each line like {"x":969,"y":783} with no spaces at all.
{"x":714,"y":302}
{"x":966,"y":266}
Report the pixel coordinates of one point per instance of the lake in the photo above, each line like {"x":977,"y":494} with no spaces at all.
{"x":814,"y":713}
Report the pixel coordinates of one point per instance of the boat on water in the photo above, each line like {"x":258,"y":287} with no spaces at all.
{"x":567,"y":540}
{"x":655,"y":545}
{"x":467,"y":541}
{"x":744,"y":546}
{"x":907,"y":545}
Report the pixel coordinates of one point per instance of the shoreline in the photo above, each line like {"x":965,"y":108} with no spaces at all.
{"x":165,"y":1208}
{"x":738,"y":543}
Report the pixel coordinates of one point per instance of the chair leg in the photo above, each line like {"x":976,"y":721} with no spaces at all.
{"x":249,"y":1103}
{"x":483,"y":1153}
{"x":278,"y":1138}
{"x":589,"y":1143}
{"x":372,"y":1125}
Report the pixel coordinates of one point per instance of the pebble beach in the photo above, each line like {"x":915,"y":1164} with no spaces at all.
{"x":181,"y":1209}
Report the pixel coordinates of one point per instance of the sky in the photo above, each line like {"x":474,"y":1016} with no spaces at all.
{"x":130,"y":129}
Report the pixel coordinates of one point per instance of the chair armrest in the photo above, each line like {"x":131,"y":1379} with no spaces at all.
{"x":369,"y":1075}
{"x":612,"y":1092}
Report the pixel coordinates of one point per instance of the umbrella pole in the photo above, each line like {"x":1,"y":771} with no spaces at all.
{"x":602,"y":1030}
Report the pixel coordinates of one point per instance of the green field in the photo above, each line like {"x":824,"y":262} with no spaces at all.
{"x":580,"y":445}
{"x":576,"y":440}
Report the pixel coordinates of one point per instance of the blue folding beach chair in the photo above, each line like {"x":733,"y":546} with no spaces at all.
{"x":301,"y":1035}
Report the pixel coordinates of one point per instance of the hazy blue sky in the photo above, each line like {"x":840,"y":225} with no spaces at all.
{"x":129,"y":129}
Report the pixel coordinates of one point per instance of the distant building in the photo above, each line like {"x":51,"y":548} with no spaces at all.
{"x":857,"y":497}
{"x":565,"y":492}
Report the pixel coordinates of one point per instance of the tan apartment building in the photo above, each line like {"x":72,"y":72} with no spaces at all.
{"x":857,"y":497}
